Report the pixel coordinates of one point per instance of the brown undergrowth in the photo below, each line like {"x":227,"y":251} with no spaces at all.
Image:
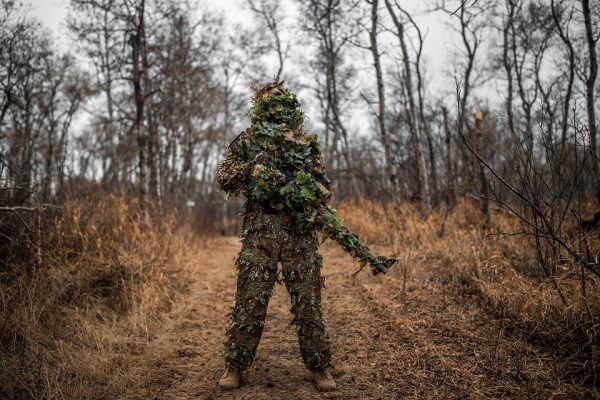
{"x":78,"y":287}
{"x":95,"y":305}
{"x":488,"y":262}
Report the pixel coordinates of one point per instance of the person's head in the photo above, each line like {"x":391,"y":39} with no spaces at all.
{"x":274,"y":103}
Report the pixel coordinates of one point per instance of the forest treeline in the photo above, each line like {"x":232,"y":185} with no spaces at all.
{"x":151,"y":92}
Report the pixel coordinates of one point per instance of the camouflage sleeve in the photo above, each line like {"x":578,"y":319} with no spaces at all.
{"x":233,"y":172}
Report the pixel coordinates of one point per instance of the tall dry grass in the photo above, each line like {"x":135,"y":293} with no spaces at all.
{"x":80,"y":289}
{"x":499,"y":271}
{"x":84,"y":289}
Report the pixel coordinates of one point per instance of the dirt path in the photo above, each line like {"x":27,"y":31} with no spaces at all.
{"x":427,"y":342}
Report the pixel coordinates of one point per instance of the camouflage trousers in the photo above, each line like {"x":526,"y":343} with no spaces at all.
{"x":267,"y":240}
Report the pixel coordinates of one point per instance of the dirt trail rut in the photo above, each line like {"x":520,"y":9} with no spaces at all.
{"x":428,"y":341}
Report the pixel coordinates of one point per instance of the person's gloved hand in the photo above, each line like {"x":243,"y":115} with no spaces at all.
{"x":381,"y":264}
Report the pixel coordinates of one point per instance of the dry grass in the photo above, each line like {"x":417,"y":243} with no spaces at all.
{"x":91,"y":308}
{"x":501,"y":272}
{"x":88,"y":282}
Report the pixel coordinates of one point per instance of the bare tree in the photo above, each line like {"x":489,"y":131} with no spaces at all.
{"x":381,"y":117}
{"x":26,"y":96}
{"x":41,"y":93}
{"x":13,"y":29}
{"x":507,"y":61}
{"x":478,"y":168}
{"x":530,"y":37}
{"x":449,"y":158}
{"x":558,"y":14}
{"x":469,"y":29}
{"x":67,"y":89}
{"x":269,"y":13}
{"x":415,"y":124}
{"x":99,"y":33}
{"x":136,"y":40}
{"x":186,"y":99}
{"x":471,"y":23}
{"x":548,"y":210}
{"x":327,"y":22}
{"x":590,"y":83}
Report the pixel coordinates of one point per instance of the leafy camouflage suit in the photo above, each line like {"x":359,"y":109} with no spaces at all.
{"x":268,"y":238}
{"x":277,"y":166}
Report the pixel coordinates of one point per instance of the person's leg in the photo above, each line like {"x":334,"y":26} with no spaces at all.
{"x":257,"y":271}
{"x":302,"y":274}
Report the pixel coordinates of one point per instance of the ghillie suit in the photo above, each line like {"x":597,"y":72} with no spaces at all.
{"x":277,"y":167}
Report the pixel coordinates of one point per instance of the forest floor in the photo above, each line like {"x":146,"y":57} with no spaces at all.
{"x":409,"y":334}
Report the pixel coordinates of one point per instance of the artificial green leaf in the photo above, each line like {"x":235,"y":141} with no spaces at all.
{"x":307,"y":193}
{"x":302,"y":178}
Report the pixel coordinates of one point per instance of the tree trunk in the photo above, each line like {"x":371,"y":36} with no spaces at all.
{"x":507,"y":64}
{"x":471,"y":49}
{"x":478,"y":170}
{"x":339,"y":129}
{"x":110,"y":156}
{"x":589,"y":86}
{"x":567,"y":100}
{"x":433,"y":193}
{"x":450,"y":170}
{"x":153,"y":140}
{"x":389,"y":166}
{"x":424,"y":194}
{"x":139,"y":130}
{"x":526,"y":102}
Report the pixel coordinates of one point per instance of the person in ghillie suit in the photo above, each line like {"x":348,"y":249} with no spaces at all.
{"x":277,"y":166}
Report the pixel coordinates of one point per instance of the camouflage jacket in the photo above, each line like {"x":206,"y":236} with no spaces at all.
{"x":234,"y":173}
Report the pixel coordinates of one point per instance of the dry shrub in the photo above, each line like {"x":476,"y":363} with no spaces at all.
{"x":535,"y":308}
{"x":90,"y":281}
{"x":500,"y":271}
{"x":373,"y":220}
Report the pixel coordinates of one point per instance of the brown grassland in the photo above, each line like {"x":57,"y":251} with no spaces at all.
{"x":98,"y":304}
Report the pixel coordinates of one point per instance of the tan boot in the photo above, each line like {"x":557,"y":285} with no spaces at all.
{"x":230,"y":380}
{"x":323,"y":381}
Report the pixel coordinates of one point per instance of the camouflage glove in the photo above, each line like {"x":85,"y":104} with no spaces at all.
{"x":381,"y":264}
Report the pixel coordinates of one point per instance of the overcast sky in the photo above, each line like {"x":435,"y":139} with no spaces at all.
{"x":52,"y":13}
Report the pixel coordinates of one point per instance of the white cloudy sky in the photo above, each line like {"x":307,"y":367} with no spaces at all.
{"x":52,"y":13}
